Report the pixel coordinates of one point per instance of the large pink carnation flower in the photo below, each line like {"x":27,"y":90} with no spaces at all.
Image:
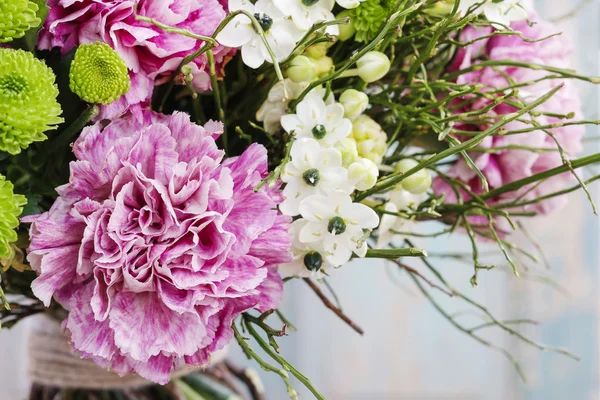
{"x":156,"y":244}
{"x":150,"y":53}
{"x":503,"y":167}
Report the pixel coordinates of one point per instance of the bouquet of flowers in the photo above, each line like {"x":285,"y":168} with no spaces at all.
{"x":166,"y":166}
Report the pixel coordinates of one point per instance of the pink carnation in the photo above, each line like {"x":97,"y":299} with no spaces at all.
{"x":156,"y":244}
{"x":503,"y":167}
{"x":146,"y":49}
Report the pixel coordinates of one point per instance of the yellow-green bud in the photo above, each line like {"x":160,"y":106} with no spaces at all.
{"x":354,"y":102}
{"x":301,"y":69}
{"x":441,"y":8}
{"x":363,"y":174}
{"x":371,"y":140}
{"x":317,"y":51}
{"x":346,"y":30}
{"x":373,"y":66}
{"x":417,"y":183}
{"x":347,"y":147}
{"x":98,"y":74}
{"x":323,"y":65}
{"x":16,"y":18}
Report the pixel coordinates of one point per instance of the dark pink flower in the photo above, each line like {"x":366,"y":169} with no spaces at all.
{"x":156,"y":243}
{"x":506,"y":166}
{"x":146,"y":49}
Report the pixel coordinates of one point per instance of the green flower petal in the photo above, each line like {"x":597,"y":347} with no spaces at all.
{"x":16,"y":18}
{"x":28,"y":105}
{"x":98,"y":75}
{"x":368,"y":18}
{"x":11,"y":206}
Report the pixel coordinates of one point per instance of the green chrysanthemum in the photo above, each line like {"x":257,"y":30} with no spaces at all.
{"x":28,"y":105}
{"x":368,"y":18}
{"x":11,"y":206}
{"x":16,"y":18}
{"x":98,"y":75}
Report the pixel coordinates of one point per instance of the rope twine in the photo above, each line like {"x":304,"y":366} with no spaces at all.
{"x":52,"y":362}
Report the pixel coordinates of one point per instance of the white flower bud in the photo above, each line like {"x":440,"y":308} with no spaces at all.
{"x":347,"y":147}
{"x":301,"y":69}
{"x":363,"y":174}
{"x":373,"y":66}
{"x":354,"y":102}
{"x":418,"y":182}
{"x":346,"y":30}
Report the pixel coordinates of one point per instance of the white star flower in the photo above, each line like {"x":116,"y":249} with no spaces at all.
{"x":308,"y":261}
{"x":279,"y":32}
{"x":305,"y":13}
{"x":312,"y":170}
{"x":500,"y":14}
{"x":336,"y":224}
{"x":315,"y":119}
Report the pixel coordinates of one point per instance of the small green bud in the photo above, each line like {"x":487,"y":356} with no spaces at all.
{"x":323,"y":65}
{"x":347,"y":147}
{"x":417,"y":183}
{"x":98,"y":75}
{"x":363,"y":174}
{"x":301,"y":69}
{"x":317,"y":51}
{"x":373,"y":66}
{"x":354,"y":102}
{"x":346,"y":30}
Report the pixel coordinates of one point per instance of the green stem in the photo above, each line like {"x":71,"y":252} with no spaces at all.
{"x":283,"y":362}
{"x":396,"y":253}
{"x":63,"y":140}
{"x":399,"y":177}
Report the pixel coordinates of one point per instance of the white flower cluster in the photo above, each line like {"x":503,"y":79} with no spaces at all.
{"x":320,"y":178}
{"x":499,"y":13}
{"x":284,"y":23}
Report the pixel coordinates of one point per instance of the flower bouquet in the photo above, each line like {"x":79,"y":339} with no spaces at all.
{"x":167,"y":166}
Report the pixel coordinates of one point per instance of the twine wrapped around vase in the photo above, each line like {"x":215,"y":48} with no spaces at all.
{"x":52,"y":362}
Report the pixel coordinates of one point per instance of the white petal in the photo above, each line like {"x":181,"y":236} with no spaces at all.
{"x":291,"y":123}
{"x":245,"y":5}
{"x":304,"y":152}
{"x":268,"y":7}
{"x":335,"y":114}
{"x":349,"y":4}
{"x":361,"y":250}
{"x":338,"y":249}
{"x":313,"y":232}
{"x":281,"y":42}
{"x":339,"y":201}
{"x":317,"y":208}
{"x":237,"y":33}
{"x":329,"y":158}
{"x":251,"y":53}
{"x":341,"y":131}
{"x":361,"y":215}
{"x":310,"y":110}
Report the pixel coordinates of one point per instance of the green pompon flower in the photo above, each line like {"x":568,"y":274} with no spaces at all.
{"x":11,"y":206}
{"x":16,"y":18}
{"x":98,"y":75}
{"x":28,"y":105}
{"x":368,"y":18}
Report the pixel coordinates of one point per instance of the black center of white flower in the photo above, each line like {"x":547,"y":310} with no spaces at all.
{"x":336,"y":226}
{"x":264,"y":21}
{"x":311,"y":176}
{"x":319,"y":131}
{"x":309,"y":3}
{"x":313,"y":261}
